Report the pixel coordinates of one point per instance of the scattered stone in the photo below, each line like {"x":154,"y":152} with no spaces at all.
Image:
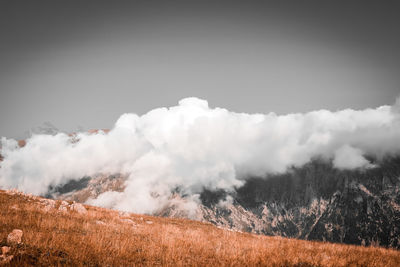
{"x":5,"y":250}
{"x":128,"y":221}
{"x":100,"y":222}
{"x":149,"y":222}
{"x":12,"y":192}
{"x":14,"y":207}
{"x":63,"y":206}
{"x":15,"y":237}
{"x":78,"y":207}
{"x":48,"y":204}
{"x":63,"y":209}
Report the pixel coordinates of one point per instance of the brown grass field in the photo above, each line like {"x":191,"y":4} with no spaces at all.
{"x":108,"y":238}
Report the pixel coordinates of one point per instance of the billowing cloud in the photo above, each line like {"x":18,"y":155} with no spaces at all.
{"x":192,"y":146}
{"x":350,"y":158}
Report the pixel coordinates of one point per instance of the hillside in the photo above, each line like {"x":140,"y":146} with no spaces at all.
{"x":66,"y":233}
{"x":313,"y":202}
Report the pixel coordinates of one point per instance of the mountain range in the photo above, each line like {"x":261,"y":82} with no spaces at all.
{"x":313,"y":202}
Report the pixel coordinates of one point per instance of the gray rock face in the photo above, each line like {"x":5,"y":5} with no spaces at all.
{"x":316,"y":202}
{"x":87,"y":187}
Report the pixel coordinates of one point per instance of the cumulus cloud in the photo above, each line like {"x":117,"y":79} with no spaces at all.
{"x":349,"y":158}
{"x":192,"y":146}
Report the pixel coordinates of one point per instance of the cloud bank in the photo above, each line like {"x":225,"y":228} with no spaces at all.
{"x":192,"y":146}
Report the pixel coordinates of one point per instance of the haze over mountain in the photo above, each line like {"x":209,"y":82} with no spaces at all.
{"x":318,"y":175}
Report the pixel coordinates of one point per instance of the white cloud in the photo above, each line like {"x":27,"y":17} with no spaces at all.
{"x":350,"y":158}
{"x":192,"y":146}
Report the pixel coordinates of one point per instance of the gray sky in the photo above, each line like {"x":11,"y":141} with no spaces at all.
{"x":84,"y":63}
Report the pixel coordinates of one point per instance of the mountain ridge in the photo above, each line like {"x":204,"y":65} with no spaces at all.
{"x":312,"y":202}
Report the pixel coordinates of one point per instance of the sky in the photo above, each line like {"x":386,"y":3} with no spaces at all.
{"x":81,"y":64}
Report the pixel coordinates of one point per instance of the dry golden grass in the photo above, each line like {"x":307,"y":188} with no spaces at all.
{"x":106,"y":238}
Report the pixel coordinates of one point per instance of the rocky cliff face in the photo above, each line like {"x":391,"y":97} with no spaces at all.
{"x":316,"y":202}
{"x":313,"y":202}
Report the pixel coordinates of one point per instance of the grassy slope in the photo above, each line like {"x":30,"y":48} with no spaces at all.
{"x":102,"y":238}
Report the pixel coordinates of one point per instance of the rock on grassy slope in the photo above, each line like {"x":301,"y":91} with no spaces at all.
{"x":92,"y":236}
